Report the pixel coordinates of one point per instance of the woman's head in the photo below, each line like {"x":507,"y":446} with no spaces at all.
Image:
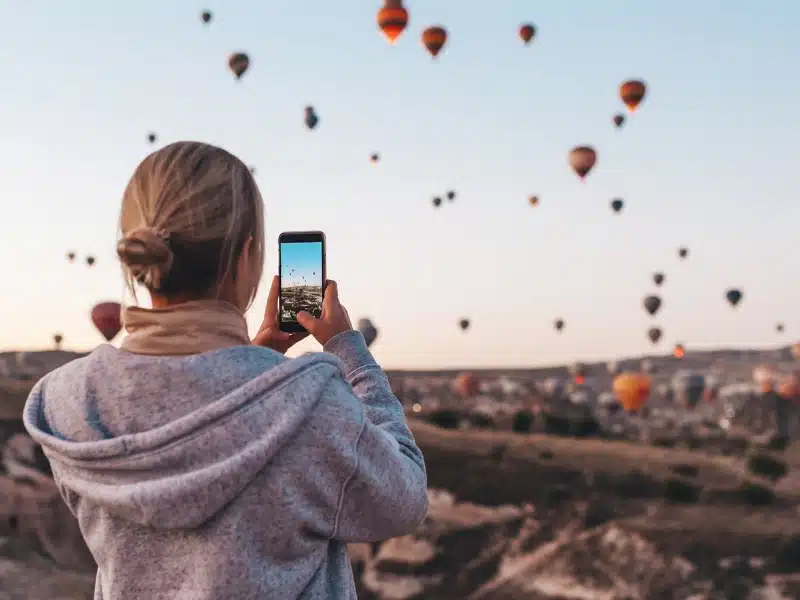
{"x":192,"y":225}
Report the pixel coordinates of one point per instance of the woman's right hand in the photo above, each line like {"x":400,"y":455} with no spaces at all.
{"x":334,"y":319}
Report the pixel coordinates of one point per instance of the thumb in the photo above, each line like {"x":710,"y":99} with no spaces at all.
{"x":331,"y":293}
{"x":307,"y":320}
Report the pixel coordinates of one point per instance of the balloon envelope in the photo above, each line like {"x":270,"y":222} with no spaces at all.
{"x":632,"y":390}
{"x":526,"y":32}
{"x":392,"y":20}
{"x":582,"y":159}
{"x":467,"y":384}
{"x":106,"y":316}
{"x":238,"y":63}
{"x":632,"y":93}
{"x":434,"y":39}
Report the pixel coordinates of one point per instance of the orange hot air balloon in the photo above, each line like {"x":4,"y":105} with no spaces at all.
{"x":392,"y":19}
{"x":679,"y":351}
{"x":106,"y":316}
{"x":796,"y":350}
{"x":582,"y":159}
{"x":533,"y":200}
{"x":632,"y":93}
{"x":467,"y":384}
{"x":434,"y":39}
{"x":526,"y":32}
{"x":788,"y":387}
{"x":632,"y":390}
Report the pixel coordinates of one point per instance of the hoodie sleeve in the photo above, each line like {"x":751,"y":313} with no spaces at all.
{"x":386,"y":493}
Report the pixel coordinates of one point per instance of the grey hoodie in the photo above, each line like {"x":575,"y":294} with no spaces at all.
{"x":231,"y":474}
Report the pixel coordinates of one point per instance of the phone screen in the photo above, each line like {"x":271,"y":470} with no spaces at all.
{"x":301,"y":279}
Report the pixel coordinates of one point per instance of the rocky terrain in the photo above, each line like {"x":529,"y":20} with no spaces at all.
{"x":516,"y":512}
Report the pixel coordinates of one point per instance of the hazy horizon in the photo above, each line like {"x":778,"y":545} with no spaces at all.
{"x":706,"y":162}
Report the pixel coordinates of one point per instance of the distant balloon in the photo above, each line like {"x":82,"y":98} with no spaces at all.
{"x":788,"y":387}
{"x":533,"y":200}
{"x":252,"y":170}
{"x":368,"y":330}
{"x":658,"y":278}
{"x":152,"y":137}
{"x":437,"y":201}
{"x":687,"y":388}
{"x":311,"y":118}
{"x":652,"y":303}
{"x":206,"y":16}
{"x":392,"y":19}
{"x":679,"y":351}
{"x":632,"y":93}
{"x":617,"y":204}
{"x":559,"y":324}
{"x":90,"y":260}
{"x":632,"y":390}
{"x":779,"y":327}
{"x":654,"y":333}
{"x":375,"y":158}
{"x":106,"y":317}
{"x":619,"y":120}
{"x":70,"y":256}
{"x":764,"y":377}
{"x":467,"y":384}
{"x":526,"y":32}
{"x":434,"y":39}
{"x":464,"y":324}
{"x":648,"y":366}
{"x":683,"y":252}
{"x":238,"y":63}
{"x":578,"y":370}
{"x":451,"y":195}
{"x":582,"y":159}
{"x":733,"y":296}
{"x":57,"y":339}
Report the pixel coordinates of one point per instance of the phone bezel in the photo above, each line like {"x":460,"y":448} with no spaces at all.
{"x":297,"y":237}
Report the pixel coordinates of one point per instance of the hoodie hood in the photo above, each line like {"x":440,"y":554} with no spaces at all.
{"x":179,"y":473}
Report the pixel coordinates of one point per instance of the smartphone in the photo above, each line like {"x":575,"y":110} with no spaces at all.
{"x":301,"y":256}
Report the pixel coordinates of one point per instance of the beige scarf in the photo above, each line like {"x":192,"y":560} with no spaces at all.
{"x":184,"y":329}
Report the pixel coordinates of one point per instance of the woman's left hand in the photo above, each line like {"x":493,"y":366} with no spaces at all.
{"x":269,"y":334}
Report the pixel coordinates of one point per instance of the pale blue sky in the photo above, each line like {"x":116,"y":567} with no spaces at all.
{"x":709,"y":162}
{"x":302,"y":264}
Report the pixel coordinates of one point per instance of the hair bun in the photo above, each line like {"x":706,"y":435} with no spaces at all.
{"x":146,"y":253}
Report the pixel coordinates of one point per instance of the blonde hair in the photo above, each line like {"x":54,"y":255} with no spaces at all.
{"x":186,"y":216}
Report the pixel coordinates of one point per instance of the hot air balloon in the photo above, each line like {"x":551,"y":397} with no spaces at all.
{"x":434,"y":39}
{"x":652,"y":303}
{"x":238,"y":63}
{"x":683,"y":252}
{"x":311,"y":118}
{"x":106,"y":317}
{"x":687,"y":388}
{"x":788,"y":387}
{"x":368,"y":330}
{"x":632,"y":93}
{"x":437,"y":201}
{"x":206,"y":16}
{"x":152,"y":137}
{"x":70,"y":256}
{"x":617,"y":204}
{"x":654,"y":333}
{"x":632,"y":390}
{"x":252,"y":169}
{"x":578,"y":372}
{"x":533,"y":200}
{"x":679,"y":351}
{"x":467,"y":384}
{"x":619,"y":120}
{"x":658,"y":278}
{"x":57,"y":339}
{"x":451,"y":195}
{"x":582,"y":159}
{"x":796,"y":350}
{"x":392,"y":19}
{"x":464,"y":324}
{"x":526,"y":32}
{"x":779,"y":327}
{"x":764,"y":377}
{"x":733,"y":296}
{"x":559,"y":324}
{"x":90,"y":260}
{"x":374,"y":158}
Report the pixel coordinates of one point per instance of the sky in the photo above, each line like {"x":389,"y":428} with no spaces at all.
{"x":302,"y":264}
{"x":707,"y":162}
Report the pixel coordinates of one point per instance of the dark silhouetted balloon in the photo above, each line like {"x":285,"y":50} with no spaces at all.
{"x":311,"y":118}
{"x":70,"y":256}
{"x":106,"y":317}
{"x":90,"y":260}
{"x":619,"y":120}
{"x":434,"y":39}
{"x":582,"y":159}
{"x":617,"y":204}
{"x":533,"y":200}
{"x":779,"y":327}
{"x":206,"y":16}
{"x":464,"y":324}
{"x":526,"y":32}
{"x":392,"y":19}
{"x":368,"y":330}
{"x":437,"y":201}
{"x":651,"y":304}
{"x":375,"y":158}
{"x":58,"y":338}
{"x":683,"y":252}
{"x":238,"y":63}
{"x":559,"y":324}
{"x":152,"y":137}
{"x":451,"y":195}
{"x":654,"y":333}
{"x":658,"y":277}
{"x":733,"y":296}
{"x":632,"y":93}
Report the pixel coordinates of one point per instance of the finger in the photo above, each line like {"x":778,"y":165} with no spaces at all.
{"x":271,"y":310}
{"x":307,"y":320}
{"x":298,"y":337}
{"x":331,"y":298}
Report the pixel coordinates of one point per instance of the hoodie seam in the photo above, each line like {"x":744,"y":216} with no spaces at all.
{"x":350,"y":477}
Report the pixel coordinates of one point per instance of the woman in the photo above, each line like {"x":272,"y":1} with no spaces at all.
{"x":201,"y":465}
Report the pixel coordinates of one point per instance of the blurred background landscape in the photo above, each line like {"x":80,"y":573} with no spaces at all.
{"x":566,"y":231}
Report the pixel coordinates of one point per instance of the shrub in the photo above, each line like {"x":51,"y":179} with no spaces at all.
{"x":677,"y":490}
{"x":755,"y":494}
{"x":765,"y":465}
{"x":522,"y":422}
{"x":446,"y":419}
{"x":684,"y":470}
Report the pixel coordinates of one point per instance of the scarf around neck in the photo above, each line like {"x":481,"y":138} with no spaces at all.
{"x":184,"y":329}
